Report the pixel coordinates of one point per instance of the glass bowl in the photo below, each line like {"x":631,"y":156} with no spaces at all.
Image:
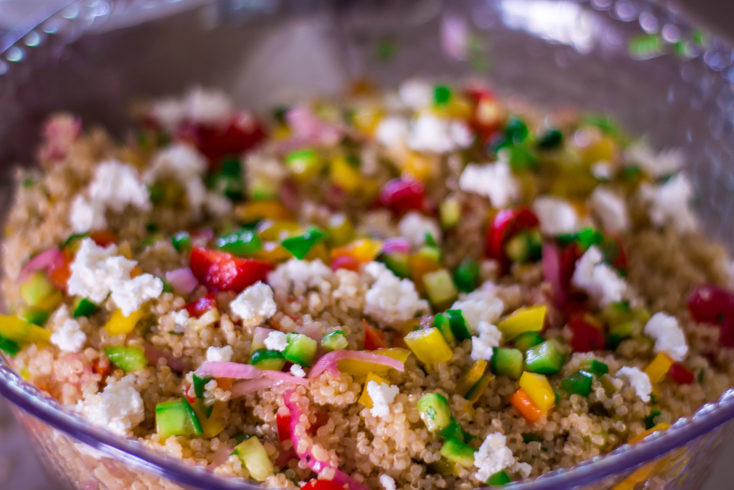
{"x":635,"y":60}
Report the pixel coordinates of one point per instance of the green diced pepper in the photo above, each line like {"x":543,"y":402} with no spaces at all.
{"x":551,"y":138}
{"x":544,"y":358}
{"x":36,"y":316}
{"x":9,"y":347}
{"x":181,"y":241}
{"x":466,"y":275}
{"x":526,"y":340}
{"x":443,"y":324}
{"x":597,"y":368}
{"x":441,"y":95}
{"x":578,"y":383}
{"x":199,"y":385}
{"x":129,"y":359}
{"x":499,"y":479}
{"x":83,"y":307}
{"x":244,"y":242}
{"x":458,"y":325}
{"x":300,"y":246}
{"x":507,"y":362}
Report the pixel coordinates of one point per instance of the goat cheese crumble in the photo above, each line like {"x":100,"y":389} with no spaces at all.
{"x":297,"y":371}
{"x":69,"y":337}
{"x":277,"y":341}
{"x":254,"y":305}
{"x":481,"y":305}
{"x":382,"y":395}
{"x":387,"y":482}
{"x":414,"y":226}
{"x":391,"y":300}
{"x":432,"y":134}
{"x":638,"y":380}
{"x":556,"y":216}
{"x":610,"y":209}
{"x":483,"y":344}
{"x":219,"y":354}
{"x":660,"y":164}
{"x":597,"y":279}
{"x":668,"y":335}
{"x":492,"y":456}
{"x":669,"y":203}
{"x":492,"y":180}
{"x":118,"y":408}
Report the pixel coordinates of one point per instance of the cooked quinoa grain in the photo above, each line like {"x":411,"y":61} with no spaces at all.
{"x":433,"y":288}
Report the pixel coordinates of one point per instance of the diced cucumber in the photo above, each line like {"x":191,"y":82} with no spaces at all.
{"x":38,"y":291}
{"x":83,"y":307}
{"x":181,"y":241}
{"x":36,"y":316}
{"x":398,"y":263}
{"x":466,"y":275}
{"x":271,"y":360}
{"x":544,"y":358}
{"x":255,"y":458}
{"x":435,"y":411}
{"x":129,"y":359}
{"x":443,"y":324}
{"x":449,"y":212}
{"x":499,"y":479}
{"x":301,"y":349}
{"x":507,"y":362}
{"x":452,"y":431}
{"x":335,"y":340}
{"x":578,"y":383}
{"x":526,"y":340}
{"x":595,"y":367}
{"x":8,"y":346}
{"x":440,"y":288}
{"x":20,"y":331}
{"x":176,"y":418}
{"x":429,"y":253}
{"x":458,"y":453}
{"x":458,"y":325}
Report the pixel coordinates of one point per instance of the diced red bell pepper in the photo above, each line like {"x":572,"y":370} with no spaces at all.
{"x":726,"y":331}
{"x":680,"y":373}
{"x":506,"y":224}
{"x":620,"y":261}
{"x":284,"y":427}
{"x":710,"y":304}
{"x":242,"y":133}
{"x":60,"y":271}
{"x":200,"y":306}
{"x":345,"y":262}
{"x":586,"y":337}
{"x":322,"y":485}
{"x":103,"y":238}
{"x":221,"y":271}
{"x":373,"y":338}
{"x":486,"y":117}
{"x":402,"y":195}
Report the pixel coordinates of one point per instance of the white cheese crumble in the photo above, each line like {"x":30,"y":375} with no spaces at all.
{"x":115,"y":186}
{"x":382,"y":395}
{"x":602,"y":170}
{"x":387,"y":482}
{"x":219,"y":354}
{"x":69,"y":337}
{"x":184,"y":164}
{"x":97,"y":272}
{"x":254,"y":305}
{"x":118,"y":408}
{"x":298,"y":371}
{"x":638,"y":380}
{"x":414,"y":226}
{"x":492,"y":180}
{"x":668,"y":335}
{"x":669,"y":203}
{"x":481,"y":305}
{"x":415,"y":93}
{"x":390,"y":300}
{"x":556,"y":216}
{"x":492,"y":456}
{"x":597,"y":279}
{"x":666,"y":162}
{"x":610,"y":209}
{"x":482,"y":345}
{"x":276,"y":341}
{"x":432,"y":134}
{"x":297,"y":276}
{"x":392,"y":131}
{"x":207,"y":106}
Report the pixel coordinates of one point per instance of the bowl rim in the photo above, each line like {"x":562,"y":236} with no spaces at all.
{"x":27,"y":398}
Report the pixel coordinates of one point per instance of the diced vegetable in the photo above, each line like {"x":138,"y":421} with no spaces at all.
{"x":522,"y":402}
{"x":507,"y":362}
{"x":199,"y":306}
{"x":679,"y":373}
{"x":221,"y":271}
{"x":453,"y":431}
{"x":34,"y":315}
{"x":538,"y":389}
{"x":304,"y":164}
{"x":176,"y":418}
{"x":344,"y":172}
{"x":83,"y":307}
{"x":505,"y":224}
{"x":301,"y":349}
{"x":544,"y":358}
{"x":443,"y":324}
{"x":449,"y":212}
{"x":478,"y":389}
{"x":526,"y":246}
{"x":40,"y":292}
{"x":119,"y":324}
{"x":373,"y":337}
{"x":322,"y":485}
{"x":527,"y":319}
{"x":360,"y":368}
{"x":429,"y":346}
{"x":334,"y":340}
{"x":398,"y":263}
{"x":244,"y":242}
{"x":499,"y":479}
{"x":129,"y":359}
{"x":20,"y":331}
{"x":255,"y":458}
{"x":551,"y":138}
{"x":271,"y":360}
{"x":199,"y":384}
{"x":458,"y":453}
{"x":8,"y":346}
{"x":440,"y":288}
{"x":435,"y":411}
{"x":300,"y":246}
{"x":466,"y":275}
{"x":471,"y":377}
{"x":586,"y":336}
{"x":595,"y":367}
{"x":658,"y":367}
{"x":339,"y":230}
{"x":402,"y":195}
{"x":181,"y":241}
{"x":578,"y":383}
{"x":365,"y":400}
{"x":526,"y":340}
{"x":459,"y":326}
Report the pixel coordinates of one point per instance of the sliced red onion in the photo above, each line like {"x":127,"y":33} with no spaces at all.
{"x":246,"y":387}
{"x":329,"y":361}
{"x":454,"y":37}
{"x":311,"y":130}
{"x":552,"y":272}
{"x":235,"y":370}
{"x":44,"y":261}
{"x":396,"y":245}
{"x":182,"y":280}
{"x":316,"y":465}
{"x":152,"y":354}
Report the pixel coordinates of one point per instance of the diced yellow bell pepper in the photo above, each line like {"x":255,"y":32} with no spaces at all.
{"x":345,"y":174}
{"x":305,"y":163}
{"x":420,"y":167}
{"x":19,"y":330}
{"x":365,"y":399}
{"x":119,"y":324}
{"x":658,"y":367}
{"x":366,"y":119}
{"x":213,"y":425}
{"x":527,"y":319}
{"x":471,"y":377}
{"x":655,"y":428}
{"x":252,"y":211}
{"x":277,"y":230}
{"x":478,"y":389}
{"x":363,"y":250}
{"x":361,"y":368}
{"x":598,"y":149}
{"x":538,"y":389}
{"x":281,"y":132}
{"x":429,"y":346}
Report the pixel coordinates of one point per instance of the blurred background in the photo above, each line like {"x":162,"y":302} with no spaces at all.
{"x":19,"y":467}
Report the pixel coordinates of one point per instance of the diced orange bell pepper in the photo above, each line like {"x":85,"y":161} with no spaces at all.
{"x":373,"y":337}
{"x":658,"y":367}
{"x":521,"y":401}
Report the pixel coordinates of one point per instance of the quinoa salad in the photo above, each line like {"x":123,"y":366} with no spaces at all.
{"x":429,"y":287}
